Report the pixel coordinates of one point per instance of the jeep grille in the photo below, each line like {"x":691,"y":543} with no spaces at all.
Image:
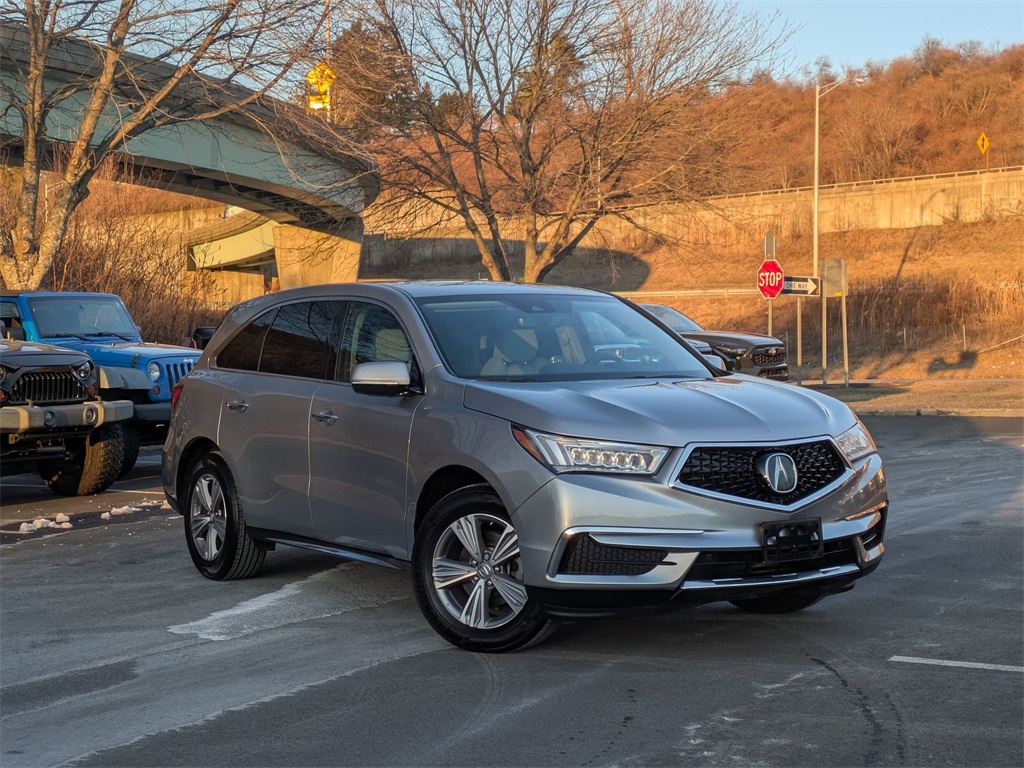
{"x":48,"y":387}
{"x":732,"y":470}
{"x":176,"y":371}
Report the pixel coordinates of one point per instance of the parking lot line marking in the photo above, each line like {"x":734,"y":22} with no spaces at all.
{"x":967,"y":664}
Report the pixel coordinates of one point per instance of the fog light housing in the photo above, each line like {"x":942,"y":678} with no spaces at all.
{"x":49,"y":418}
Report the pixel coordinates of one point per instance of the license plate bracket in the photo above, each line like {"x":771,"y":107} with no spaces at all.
{"x":793,"y":540}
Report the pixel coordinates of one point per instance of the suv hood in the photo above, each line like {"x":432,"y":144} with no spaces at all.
{"x":122,"y":352}
{"x":737,"y":339}
{"x":669,"y":412}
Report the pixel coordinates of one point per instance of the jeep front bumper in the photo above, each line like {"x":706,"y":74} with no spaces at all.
{"x":21,"y":419}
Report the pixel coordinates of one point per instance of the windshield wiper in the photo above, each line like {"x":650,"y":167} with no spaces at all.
{"x":111,"y":333}
{"x":64,"y":336}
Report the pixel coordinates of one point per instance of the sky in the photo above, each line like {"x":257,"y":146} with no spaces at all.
{"x":853,"y":32}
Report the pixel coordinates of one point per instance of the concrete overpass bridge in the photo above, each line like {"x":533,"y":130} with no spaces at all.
{"x":269,"y":159}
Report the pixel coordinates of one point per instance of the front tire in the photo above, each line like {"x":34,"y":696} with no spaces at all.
{"x":467,"y":573}
{"x":784,"y":603}
{"x":131,"y":449}
{"x":215,"y":529}
{"x":89,"y":465}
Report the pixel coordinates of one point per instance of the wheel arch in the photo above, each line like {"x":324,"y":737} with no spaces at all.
{"x":442,"y":482}
{"x":191,"y":453}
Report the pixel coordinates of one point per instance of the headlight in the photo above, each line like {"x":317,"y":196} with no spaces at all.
{"x":3,"y":374}
{"x":856,"y":443}
{"x":572,"y":454}
{"x":84,"y":370}
{"x":731,"y":351}
{"x":153,"y":369}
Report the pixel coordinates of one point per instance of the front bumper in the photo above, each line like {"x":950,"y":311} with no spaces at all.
{"x":647,"y":542}
{"x":23,"y":419}
{"x":156,"y":413}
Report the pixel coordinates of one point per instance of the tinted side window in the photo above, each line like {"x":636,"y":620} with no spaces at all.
{"x":243,"y":351}
{"x":371,"y":333}
{"x":299,"y":341}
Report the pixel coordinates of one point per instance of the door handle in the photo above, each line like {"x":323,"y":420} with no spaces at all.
{"x":238,"y":405}
{"x":325,"y":417}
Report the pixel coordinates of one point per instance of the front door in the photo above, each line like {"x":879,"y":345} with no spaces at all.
{"x":358,"y":444}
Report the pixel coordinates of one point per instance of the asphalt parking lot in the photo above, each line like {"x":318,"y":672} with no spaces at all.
{"x":115,"y":652}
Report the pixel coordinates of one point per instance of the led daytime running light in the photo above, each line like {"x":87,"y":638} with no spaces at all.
{"x":568,"y":454}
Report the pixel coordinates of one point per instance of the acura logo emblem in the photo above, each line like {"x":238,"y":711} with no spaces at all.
{"x":779,"y":471}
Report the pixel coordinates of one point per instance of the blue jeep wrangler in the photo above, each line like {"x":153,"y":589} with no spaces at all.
{"x":130,"y":369}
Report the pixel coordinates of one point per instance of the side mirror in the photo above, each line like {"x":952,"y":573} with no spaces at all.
{"x":381,"y":378}
{"x":716,"y":361}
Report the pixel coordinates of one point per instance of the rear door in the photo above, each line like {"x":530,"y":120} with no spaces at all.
{"x":270,"y":373}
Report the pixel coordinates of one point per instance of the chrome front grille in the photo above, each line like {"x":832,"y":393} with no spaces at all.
{"x":732,"y":470}
{"x":176,"y":371}
{"x":48,"y":387}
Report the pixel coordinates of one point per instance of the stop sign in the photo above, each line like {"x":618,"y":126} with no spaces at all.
{"x":769,"y":278}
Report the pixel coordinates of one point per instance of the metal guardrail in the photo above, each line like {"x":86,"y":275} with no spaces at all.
{"x":871,"y":183}
{"x":631,"y":295}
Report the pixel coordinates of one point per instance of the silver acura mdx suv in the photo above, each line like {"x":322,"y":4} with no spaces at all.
{"x":489,"y":437}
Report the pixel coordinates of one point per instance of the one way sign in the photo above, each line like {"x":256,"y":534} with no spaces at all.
{"x":801,"y":286}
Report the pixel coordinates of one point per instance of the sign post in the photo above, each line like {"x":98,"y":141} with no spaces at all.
{"x":800,"y":287}
{"x":983,"y":145}
{"x":833,"y":278}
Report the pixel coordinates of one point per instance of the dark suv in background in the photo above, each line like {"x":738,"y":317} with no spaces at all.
{"x":752,"y":353}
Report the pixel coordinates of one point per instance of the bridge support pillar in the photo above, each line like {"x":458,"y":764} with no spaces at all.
{"x":305,"y":257}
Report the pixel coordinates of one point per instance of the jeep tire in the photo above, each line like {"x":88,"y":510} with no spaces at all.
{"x":131,"y":449}
{"x":89,"y":465}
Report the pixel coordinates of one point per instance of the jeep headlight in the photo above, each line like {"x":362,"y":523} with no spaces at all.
{"x":84,"y":370}
{"x":153,"y":369}
{"x":573,"y":454}
{"x":856,"y":443}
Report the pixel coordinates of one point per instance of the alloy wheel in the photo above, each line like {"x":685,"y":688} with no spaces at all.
{"x":208,"y":518}
{"x":477,"y":571}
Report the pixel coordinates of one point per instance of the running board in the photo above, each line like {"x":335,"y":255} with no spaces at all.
{"x":349,"y":553}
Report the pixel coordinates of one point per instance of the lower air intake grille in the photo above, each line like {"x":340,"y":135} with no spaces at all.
{"x":732,"y":470}
{"x":48,"y":387}
{"x":584,"y":556}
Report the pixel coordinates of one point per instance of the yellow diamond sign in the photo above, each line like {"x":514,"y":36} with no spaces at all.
{"x":982,"y":143}
{"x":321,"y":77}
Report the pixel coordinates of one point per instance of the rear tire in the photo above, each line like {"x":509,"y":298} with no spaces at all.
{"x":89,"y":465}
{"x":467,"y":574}
{"x":777,"y":603}
{"x":131,"y":449}
{"x":215,"y":529}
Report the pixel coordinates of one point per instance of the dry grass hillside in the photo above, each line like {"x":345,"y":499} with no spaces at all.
{"x":933,"y":302}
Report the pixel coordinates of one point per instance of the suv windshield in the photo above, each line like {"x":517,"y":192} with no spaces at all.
{"x":57,"y":316}
{"x":552,"y":338}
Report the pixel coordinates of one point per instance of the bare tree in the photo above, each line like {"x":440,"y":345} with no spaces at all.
{"x":533,"y":120}
{"x":84,"y":77}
